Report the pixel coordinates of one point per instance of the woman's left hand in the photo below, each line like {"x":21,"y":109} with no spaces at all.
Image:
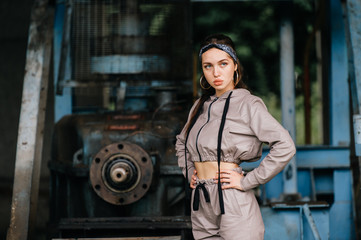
{"x":232,"y":178}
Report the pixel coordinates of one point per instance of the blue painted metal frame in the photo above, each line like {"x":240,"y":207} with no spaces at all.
{"x":315,"y":157}
{"x":335,"y":160}
{"x":63,"y":103}
{"x":341,"y":217}
{"x":289,"y":223}
{"x":335,"y":178}
{"x":328,"y":158}
{"x":339,"y":92}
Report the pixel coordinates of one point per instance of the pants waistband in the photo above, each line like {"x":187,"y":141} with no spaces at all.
{"x":211,"y":180}
{"x":200,"y":186}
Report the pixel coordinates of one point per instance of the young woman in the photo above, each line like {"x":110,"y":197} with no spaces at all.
{"x":226,"y":127}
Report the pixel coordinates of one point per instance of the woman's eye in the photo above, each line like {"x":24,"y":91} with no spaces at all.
{"x":207,"y":66}
{"x":223,"y":64}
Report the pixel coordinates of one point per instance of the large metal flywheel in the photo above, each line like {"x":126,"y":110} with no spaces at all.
{"x":121,"y":173}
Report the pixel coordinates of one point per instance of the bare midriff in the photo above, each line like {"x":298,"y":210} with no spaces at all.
{"x":208,"y":170}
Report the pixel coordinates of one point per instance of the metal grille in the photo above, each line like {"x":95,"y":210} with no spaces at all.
{"x":127,"y":37}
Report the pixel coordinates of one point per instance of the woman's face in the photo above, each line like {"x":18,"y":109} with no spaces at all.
{"x":218,"y":69}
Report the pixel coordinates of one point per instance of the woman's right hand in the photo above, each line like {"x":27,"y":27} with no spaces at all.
{"x":193,"y":180}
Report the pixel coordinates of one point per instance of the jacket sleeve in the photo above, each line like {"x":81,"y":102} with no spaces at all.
{"x":270,"y":131}
{"x":180,"y":149}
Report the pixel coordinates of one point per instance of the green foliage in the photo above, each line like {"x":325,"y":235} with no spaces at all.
{"x":254,"y":28}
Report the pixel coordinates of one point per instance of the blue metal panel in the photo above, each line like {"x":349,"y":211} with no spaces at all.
{"x":323,"y":157}
{"x":339,"y":94}
{"x":58,"y":33}
{"x":274,"y":188}
{"x":320,"y":217}
{"x":304,"y":183}
{"x":284,"y":224}
{"x":63,"y":103}
{"x":341,"y":217}
{"x":308,"y":158}
{"x":280,"y":224}
{"x":342,"y":182}
{"x":324,"y":182}
{"x":314,"y":157}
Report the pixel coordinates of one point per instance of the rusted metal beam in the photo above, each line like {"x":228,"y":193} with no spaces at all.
{"x":31,"y":123}
{"x":123,"y":227}
{"x":175,"y":222}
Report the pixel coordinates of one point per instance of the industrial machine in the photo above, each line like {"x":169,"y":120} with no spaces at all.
{"x":116,"y":165}
{"x":129,"y":66}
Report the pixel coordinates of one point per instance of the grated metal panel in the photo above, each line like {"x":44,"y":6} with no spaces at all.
{"x":127,"y":37}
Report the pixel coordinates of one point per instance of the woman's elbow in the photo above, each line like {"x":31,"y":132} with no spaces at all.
{"x":290,"y":152}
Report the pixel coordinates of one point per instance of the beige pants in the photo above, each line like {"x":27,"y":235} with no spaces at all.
{"x":242,"y":219}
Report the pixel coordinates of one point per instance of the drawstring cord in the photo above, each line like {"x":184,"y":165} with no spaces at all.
{"x":196,"y":196}
{"x":225,"y":110}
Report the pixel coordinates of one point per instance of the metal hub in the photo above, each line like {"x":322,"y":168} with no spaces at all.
{"x":121,"y":173}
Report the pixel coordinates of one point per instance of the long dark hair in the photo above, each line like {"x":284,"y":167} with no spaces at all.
{"x":206,"y":93}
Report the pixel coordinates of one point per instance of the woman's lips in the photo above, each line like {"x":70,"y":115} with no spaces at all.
{"x":217,"y":82}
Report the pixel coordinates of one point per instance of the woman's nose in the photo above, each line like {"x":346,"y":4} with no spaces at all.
{"x":215,"y":71}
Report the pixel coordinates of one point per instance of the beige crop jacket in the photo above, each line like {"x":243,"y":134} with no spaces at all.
{"x":248,"y":124}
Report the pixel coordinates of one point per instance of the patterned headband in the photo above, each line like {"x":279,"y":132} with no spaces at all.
{"x":222,"y":47}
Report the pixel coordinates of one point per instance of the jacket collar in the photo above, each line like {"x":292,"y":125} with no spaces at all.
{"x":236,"y":92}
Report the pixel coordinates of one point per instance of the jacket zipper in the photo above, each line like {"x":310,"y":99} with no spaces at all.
{"x":209,"y":115}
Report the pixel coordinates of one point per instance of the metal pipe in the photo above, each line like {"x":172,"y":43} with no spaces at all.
{"x":288,"y":97}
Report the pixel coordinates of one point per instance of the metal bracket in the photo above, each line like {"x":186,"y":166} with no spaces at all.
{"x":304,"y":209}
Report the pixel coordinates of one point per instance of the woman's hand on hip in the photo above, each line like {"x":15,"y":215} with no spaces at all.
{"x":193,"y":180}
{"x":232,"y":178}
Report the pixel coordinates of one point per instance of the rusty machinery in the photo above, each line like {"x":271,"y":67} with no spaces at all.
{"x":113,"y":169}
{"x":111,"y":166}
